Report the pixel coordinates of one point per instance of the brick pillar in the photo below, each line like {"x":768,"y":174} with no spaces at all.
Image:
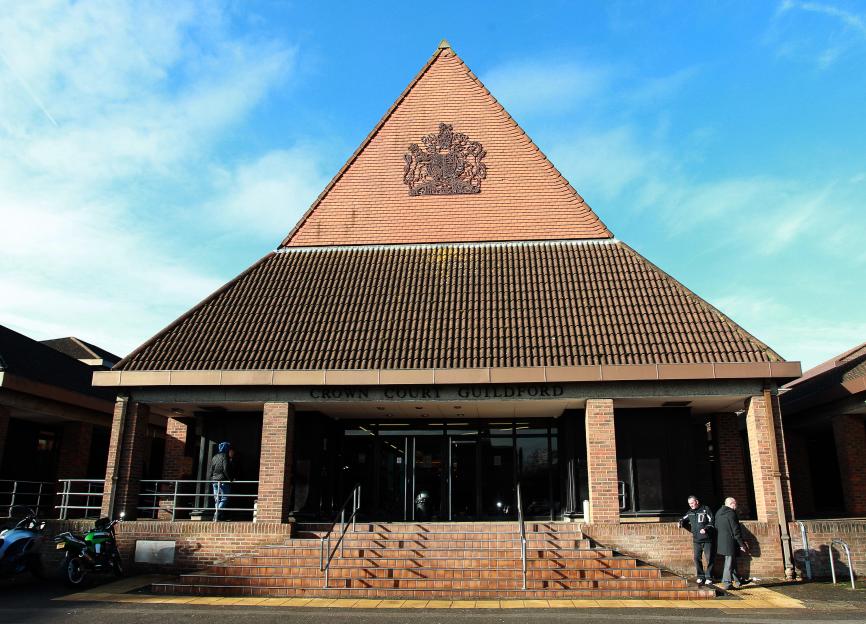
{"x":601,"y":461}
{"x":768,"y":463}
{"x":176,"y":464}
{"x":275,"y":471}
{"x":731,"y":459}
{"x":4,"y":428}
{"x":801,"y":472}
{"x":850,"y":435}
{"x":74,"y":450}
{"x":126,"y":450}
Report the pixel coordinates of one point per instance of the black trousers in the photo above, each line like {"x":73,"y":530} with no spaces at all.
{"x":701,"y":550}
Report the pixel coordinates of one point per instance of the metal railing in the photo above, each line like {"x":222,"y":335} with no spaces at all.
{"x":833,"y":565}
{"x":325,"y":565}
{"x":82,"y":497}
{"x":164,"y":498}
{"x":36,"y":495}
{"x":522,"y":529}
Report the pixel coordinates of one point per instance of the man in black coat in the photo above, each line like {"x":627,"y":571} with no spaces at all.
{"x":731,"y":542}
{"x":699,"y":520}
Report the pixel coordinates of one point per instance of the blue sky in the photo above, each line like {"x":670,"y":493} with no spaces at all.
{"x":151,"y":151}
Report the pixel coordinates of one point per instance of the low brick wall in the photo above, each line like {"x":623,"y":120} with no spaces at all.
{"x":197,"y":544}
{"x":666,"y":544}
{"x":819,"y":533}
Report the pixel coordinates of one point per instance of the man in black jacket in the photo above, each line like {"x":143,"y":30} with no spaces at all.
{"x":731,"y":542}
{"x":699,"y":520}
{"x":221,"y":474}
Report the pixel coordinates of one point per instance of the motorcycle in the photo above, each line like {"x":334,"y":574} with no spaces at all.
{"x":93,"y":553}
{"x":19,"y":546}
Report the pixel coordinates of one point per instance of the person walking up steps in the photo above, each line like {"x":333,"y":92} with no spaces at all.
{"x":221,"y":474}
{"x":699,"y":520}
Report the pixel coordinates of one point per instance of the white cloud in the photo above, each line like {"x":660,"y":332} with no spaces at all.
{"x":793,"y":333}
{"x":269,"y":195}
{"x":533,"y":87}
{"x":141,"y":95}
{"x":816,"y":40}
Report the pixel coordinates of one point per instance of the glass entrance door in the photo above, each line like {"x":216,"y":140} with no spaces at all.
{"x":429,"y":481}
{"x":423,"y":473}
{"x":464,"y":484}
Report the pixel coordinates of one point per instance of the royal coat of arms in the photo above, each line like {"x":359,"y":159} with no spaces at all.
{"x":447,"y":163}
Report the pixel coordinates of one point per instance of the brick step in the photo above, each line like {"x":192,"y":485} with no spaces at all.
{"x":690,"y":593}
{"x":444,"y":527}
{"x":439,"y":535}
{"x":434,"y":573}
{"x":512,"y":561}
{"x":288,"y":563}
{"x":356,"y":541}
{"x":453,"y":582}
{"x":472,"y":553}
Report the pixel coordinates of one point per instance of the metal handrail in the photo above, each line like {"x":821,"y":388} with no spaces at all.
{"x":325,"y":566}
{"x":807,"y":558}
{"x":67,"y":492}
{"x":833,"y":565}
{"x":174,"y":492}
{"x":20,"y":490}
{"x":522,"y":528}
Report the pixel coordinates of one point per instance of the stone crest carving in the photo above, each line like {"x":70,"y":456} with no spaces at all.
{"x":446,"y":163}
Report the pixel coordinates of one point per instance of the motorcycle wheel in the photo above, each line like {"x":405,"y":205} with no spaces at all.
{"x":74,"y":572}
{"x":116,"y":564}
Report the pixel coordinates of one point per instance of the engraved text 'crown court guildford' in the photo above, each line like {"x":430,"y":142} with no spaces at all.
{"x":446,"y":163}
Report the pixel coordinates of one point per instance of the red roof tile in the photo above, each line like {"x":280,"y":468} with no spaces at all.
{"x":449,"y":306}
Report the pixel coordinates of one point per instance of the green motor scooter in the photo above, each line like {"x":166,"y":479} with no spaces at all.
{"x":93,"y":553}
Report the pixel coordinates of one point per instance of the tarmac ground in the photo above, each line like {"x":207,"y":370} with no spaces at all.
{"x":128,"y":601}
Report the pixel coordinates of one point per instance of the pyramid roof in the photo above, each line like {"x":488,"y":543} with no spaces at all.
{"x":522,"y":196}
{"x":392,"y":269}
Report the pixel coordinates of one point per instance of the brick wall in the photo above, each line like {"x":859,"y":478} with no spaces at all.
{"x":275,"y":467}
{"x":764,"y":423}
{"x":731,"y":459}
{"x":197,"y":544}
{"x":666,"y":544}
{"x":601,"y":461}
{"x":74,"y":450}
{"x":127,"y":449}
{"x":819,"y":533}
{"x":850,"y":436}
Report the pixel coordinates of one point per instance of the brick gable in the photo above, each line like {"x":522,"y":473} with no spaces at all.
{"x":523,"y":196}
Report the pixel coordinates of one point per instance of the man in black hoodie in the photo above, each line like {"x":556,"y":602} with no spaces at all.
{"x":731,"y":542}
{"x":699,"y":520}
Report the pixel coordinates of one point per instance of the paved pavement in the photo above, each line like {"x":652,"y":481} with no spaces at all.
{"x":119,"y":603}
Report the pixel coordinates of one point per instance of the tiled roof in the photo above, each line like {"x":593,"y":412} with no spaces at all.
{"x":448,"y":306}
{"x":80,"y":350}
{"x":30,"y":359}
{"x":523,"y":196}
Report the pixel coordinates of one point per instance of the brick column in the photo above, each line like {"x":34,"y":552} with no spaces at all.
{"x":601,"y":461}
{"x":850,"y":435}
{"x":74,"y":450}
{"x":764,"y":424}
{"x":731,"y":459}
{"x":176,"y":464}
{"x":275,"y":468}
{"x":801,"y":472}
{"x":4,"y":428}
{"x":126,"y":450}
